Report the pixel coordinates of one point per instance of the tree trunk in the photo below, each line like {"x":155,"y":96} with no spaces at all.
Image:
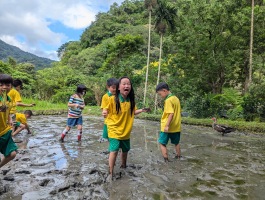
{"x":148,"y":57}
{"x":251,"y":45}
{"x":159,"y":66}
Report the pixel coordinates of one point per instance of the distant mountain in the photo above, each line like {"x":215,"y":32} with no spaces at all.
{"x":20,"y":56}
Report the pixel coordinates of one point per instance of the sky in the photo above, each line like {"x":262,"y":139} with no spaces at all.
{"x":42,"y":26}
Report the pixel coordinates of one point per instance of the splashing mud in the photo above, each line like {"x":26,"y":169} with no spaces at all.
{"x":212,"y":167}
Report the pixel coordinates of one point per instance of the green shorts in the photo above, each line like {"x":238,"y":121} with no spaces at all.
{"x":115,"y":145}
{"x":7,"y":145}
{"x":164,"y":137}
{"x":105,"y":132}
{"x":17,"y":124}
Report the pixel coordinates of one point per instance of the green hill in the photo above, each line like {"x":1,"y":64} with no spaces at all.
{"x":20,"y":56}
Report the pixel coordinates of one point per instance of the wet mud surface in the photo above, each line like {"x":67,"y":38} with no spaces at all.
{"x":212,"y":167}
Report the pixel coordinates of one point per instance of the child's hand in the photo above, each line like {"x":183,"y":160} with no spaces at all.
{"x":146,"y":109}
{"x":166,"y":129}
{"x":82,"y":106}
{"x":104,"y":113}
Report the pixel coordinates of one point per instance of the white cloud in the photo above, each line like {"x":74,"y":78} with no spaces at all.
{"x":25,"y":23}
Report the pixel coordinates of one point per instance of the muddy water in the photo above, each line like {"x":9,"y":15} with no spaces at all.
{"x":212,"y":167}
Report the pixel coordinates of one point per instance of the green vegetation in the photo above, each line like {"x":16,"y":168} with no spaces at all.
{"x":7,"y":51}
{"x":204,"y":57}
{"x":49,"y":108}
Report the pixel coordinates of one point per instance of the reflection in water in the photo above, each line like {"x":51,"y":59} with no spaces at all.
{"x":214,"y":167}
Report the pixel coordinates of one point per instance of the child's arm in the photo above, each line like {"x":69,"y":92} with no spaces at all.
{"x":104,"y":112}
{"x":27,"y":127}
{"x":20,"y":128}
{"x":170,"y":117}
{"x":136,"y":112}
{"x":10,"y":121}
{"x":19,"y":103}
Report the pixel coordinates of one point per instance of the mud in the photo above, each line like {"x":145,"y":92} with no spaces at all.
{"x":212,"y":166}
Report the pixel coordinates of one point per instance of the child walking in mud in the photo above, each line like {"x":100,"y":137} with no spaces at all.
{"x":21,"y":122}
{"x":15,"y":96}
{"x":120,"y":111}
{"x":111,"y":87}
{"x":170,"y":121}
{"x":7,"y":146}
{"x":76,"y":104}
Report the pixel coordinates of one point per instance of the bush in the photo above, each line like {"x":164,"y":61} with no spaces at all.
{"x":254,"y":103}
{"x":221,"y":105}
{"x":61,"y":97}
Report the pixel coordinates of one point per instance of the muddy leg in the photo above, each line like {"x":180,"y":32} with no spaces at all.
{"x":112,"y":160}
{"x":8,"y":158}
{"x":124,"y":159}
{"x":79,"y":132}
{"x":164,"y":152}
{"x":178,"y":152}
{"x":65,"y":131}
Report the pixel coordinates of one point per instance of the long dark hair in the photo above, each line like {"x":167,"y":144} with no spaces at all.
{"x":130,"y":95}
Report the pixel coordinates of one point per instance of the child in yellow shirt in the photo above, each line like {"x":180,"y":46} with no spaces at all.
{"x":7,"y":146}
{"x":21,"y":122}
{"x":120,"y":112}
{"x":111,"y":86}
{"x":170,"y":120}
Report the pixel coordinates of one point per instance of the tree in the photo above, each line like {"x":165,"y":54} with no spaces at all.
{"x":166,"y":14}
{"x":149,"y":4}
{"x":251,"y":44}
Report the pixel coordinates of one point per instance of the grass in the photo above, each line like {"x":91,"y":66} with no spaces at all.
{"x":48,"y":108}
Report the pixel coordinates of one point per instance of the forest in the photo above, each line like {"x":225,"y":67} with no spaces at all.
{"x":20,"y":56}
{"x":210,"y":52}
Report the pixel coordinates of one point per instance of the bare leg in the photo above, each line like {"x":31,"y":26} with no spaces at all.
{"x":124,"y":159}
{"x":178,"y":152}
{"x":8,"y":158}
{"x":164,"y":151}
{"x":112,"y":160}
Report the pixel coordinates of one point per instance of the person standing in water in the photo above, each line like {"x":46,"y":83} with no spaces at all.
{"x":120,"y":112}
{"x":111,"y":87}
{"x":7,"y":146}
{"x":170,"y":120}
{"x":76,"y":104}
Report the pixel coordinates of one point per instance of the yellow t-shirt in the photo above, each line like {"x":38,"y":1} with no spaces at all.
{"x":15,"y":97}
{"x":119,"y":124}
{"x":171,"y":105}
{"x":105,"y":102}
{"x":4,"y":125}
{"x":20,"y":117}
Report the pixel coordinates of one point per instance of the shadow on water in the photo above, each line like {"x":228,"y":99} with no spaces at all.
{"x":213,"y":167}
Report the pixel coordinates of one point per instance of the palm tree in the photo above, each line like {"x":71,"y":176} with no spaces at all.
{"x":166,"y":14}
{"x":149,"y":4}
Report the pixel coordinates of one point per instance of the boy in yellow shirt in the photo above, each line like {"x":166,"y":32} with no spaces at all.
{"x":111,"y":86}
{"x":170,"y":121}
{"x":7,"y":146}
{"x":21,"y":122}
{"x":15,"y":96}
{"x":120,"y":112}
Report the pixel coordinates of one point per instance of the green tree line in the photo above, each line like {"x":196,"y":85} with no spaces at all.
{"x":201,"y":48}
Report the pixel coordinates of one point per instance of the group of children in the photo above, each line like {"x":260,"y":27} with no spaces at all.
{"x":118,"y":108}
{"x":11,"y":122}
